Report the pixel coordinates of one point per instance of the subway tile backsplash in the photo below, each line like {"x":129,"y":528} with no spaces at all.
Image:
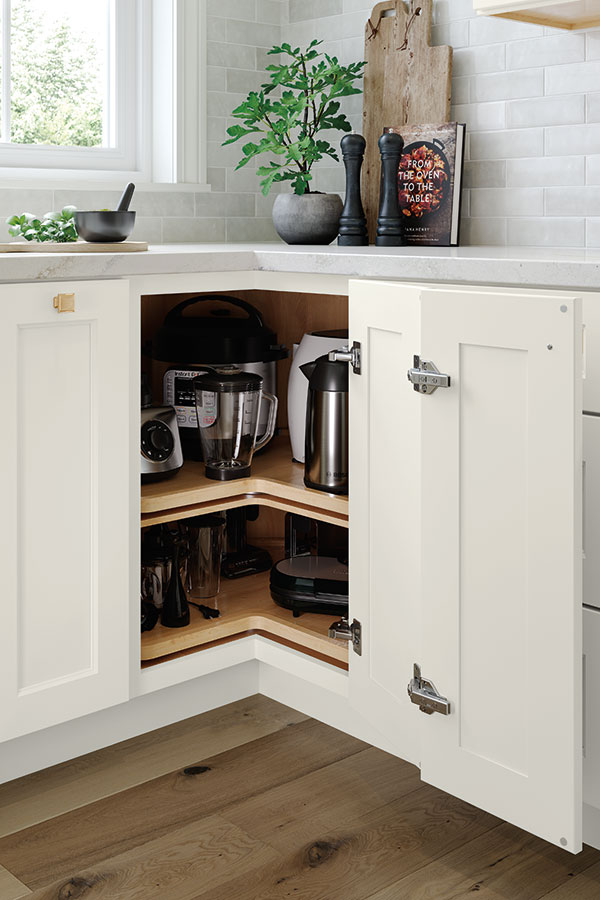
{"x":530,"y":97}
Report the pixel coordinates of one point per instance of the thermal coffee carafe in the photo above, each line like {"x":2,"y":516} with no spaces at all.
{"x":326,"y":455}
{"x":228,"y":408}
{"x":312,"y":345}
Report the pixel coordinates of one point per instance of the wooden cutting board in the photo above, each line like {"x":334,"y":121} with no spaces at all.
{"x":407,"y":82}
{"x":73,"y":247}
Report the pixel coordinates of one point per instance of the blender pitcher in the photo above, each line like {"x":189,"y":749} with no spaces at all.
{"x":228,"y":407}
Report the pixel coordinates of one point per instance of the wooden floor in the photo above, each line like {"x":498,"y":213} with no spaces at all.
{"x":256,"y":802}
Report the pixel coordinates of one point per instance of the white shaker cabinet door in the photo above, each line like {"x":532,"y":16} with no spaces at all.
{"x":467,"y":559}
{"x":385,"y":509}
{"x":64,"y":476}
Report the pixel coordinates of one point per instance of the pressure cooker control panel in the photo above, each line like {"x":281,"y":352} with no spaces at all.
{"x":157,"y":440}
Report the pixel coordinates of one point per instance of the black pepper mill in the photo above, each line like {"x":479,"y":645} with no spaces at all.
{"x":353,"y":223}
{"x":390,"y":230}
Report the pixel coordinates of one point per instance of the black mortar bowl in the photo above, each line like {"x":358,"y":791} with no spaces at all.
{"x":104,"y":226}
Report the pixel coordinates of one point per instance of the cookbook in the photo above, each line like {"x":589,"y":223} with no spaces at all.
{"x":429,"y":182}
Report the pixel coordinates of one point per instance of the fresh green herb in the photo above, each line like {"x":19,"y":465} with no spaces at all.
{"x":290,"y":122}
{"x":54,"y":226}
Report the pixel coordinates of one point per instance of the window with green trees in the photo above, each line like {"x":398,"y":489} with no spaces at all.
{"x":56,"y":72}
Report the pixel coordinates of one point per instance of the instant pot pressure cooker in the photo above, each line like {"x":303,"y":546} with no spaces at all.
{"x":221,"y":340}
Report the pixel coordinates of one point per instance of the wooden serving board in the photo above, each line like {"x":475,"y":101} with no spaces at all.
{"x":407,"y":86}
{"x":73,"y":247}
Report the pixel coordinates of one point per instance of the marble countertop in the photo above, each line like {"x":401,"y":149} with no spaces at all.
{"x":570,"y":269}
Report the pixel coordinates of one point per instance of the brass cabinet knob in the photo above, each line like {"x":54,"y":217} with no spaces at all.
{"x":64,"y":303}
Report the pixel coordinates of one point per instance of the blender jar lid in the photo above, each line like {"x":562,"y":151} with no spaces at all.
{"x":228,"y":382}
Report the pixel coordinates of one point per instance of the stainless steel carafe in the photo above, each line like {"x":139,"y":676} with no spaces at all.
{"x":326,"y":457}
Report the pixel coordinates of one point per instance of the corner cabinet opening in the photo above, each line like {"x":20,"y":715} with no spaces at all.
{"x":274,"y":491}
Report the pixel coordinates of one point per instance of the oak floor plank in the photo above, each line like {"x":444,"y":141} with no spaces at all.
{"x":358,"y":858}
{"x":35,"y":798}
{"x":506,"y":862}
{"x":10,"y":887}
{"x":291,"y":814}
{"x":77,"y":840}
{"x":173,"y":867}
{"x":585,"y":886}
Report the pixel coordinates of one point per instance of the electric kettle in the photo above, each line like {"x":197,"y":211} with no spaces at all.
{"x":326,"y":448}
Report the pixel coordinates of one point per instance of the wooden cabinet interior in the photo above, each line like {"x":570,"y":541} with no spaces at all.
{"x":289,"y":315}
{"x":276,"y":486}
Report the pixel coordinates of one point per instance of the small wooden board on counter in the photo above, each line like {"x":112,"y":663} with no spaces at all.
{"x":73,"y":247}
{"x":407,"y":82}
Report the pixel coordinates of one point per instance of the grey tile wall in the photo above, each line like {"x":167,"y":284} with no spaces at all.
{"x":531,"y":99}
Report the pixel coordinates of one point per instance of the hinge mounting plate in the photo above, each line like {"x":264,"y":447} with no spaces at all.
{"x":344,"y":631}
{"x":426,"y":377}
{"x":348,"y":354}
{"x":424,"y":693}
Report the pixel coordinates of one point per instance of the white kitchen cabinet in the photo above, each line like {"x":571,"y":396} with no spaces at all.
{"x":464,"y":523}
{"x":466,"y":541}
{"x":64,"y":473}
{"x":569,"y":14}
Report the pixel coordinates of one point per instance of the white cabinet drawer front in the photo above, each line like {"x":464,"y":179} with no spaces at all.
{"x":65,"y":531}
{"x":591,"y":510}
{"x":591,"y":731}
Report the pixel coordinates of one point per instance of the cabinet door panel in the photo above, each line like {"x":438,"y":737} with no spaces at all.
{"x":484,"y":529}
{"x":384,"y":509}
{"x":65,"y":527}
{"x":502,"y":559}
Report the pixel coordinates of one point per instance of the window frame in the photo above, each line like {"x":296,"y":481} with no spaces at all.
{"x":169,"y":41}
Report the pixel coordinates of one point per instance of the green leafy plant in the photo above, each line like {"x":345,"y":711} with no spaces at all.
{"x":311,"y":84}
{"x":54,"y":226}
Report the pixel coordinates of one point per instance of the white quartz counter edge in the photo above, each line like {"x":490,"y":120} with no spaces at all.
{"x":476,"y":265}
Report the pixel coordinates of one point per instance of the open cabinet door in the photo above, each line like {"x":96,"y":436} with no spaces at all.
{"x":484,"y":534}
{"x":384,"y":509}
{"x":501,"y":590}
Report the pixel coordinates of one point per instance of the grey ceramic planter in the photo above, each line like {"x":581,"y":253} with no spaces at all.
{"x":307,"y":218}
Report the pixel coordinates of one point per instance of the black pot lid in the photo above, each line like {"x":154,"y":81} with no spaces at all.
{"x":217,"y":335}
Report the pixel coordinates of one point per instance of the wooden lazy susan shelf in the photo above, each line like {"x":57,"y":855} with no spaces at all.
{"x":276,"y":481}
{"x":247,"y":608}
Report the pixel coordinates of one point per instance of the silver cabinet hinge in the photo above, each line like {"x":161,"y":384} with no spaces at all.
{"x":424,"y":693}
{"x":344,"y":631}
{"x":426,"y":377}
{"x":348,"y":354}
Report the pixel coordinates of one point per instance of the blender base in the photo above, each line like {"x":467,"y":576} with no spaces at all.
{"x":227,"y":474}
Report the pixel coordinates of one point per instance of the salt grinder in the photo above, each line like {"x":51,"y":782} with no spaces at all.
{"x":353,"y":223}
{"x":390,"y":231}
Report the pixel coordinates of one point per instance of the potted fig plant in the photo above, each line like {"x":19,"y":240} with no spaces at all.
{"x":289,"y":113}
